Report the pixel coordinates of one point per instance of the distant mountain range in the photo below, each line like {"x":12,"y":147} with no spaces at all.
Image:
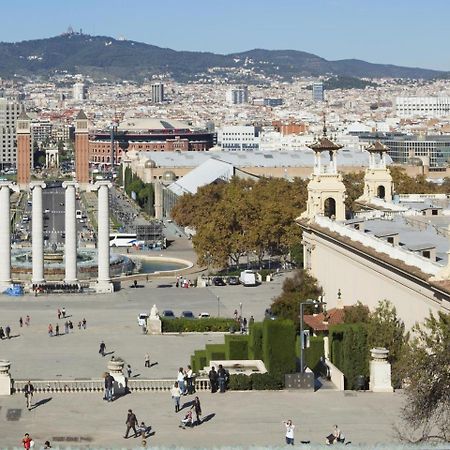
{"x":100,"y":56}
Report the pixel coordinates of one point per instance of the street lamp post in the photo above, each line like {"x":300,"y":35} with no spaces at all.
{"x":316,"y":304}
{"x":240,"y":309}
{"x":218,"y":306}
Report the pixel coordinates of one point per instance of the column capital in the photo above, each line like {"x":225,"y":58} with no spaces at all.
{"x":34,"y":184}
{"x":98,"y":184}
{"x":9,"y":184}
{"x":67,"y":184}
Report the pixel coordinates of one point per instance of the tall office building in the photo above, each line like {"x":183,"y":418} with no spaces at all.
{"x":79,"y":92}
{"x":237,"y":96}
{"x":9,"y":112}
{"x":157,"y":92}
{"x":318,"y":93}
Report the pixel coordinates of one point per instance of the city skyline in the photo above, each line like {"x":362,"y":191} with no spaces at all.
{"x":381,"y":32}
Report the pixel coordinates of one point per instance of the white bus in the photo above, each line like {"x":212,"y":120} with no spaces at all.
{"x":122,"y":240}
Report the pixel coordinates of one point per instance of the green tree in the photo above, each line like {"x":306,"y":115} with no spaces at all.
{"x":354,"y":186}
{"x":298,"y":288}
{"x":386,"y":330}
{"x":426,"y":369}
{"x":357,"y":313}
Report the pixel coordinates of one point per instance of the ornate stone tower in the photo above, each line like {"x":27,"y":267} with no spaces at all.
{"x":23,"y":151}
{"x":326,"y":191}
{"x":82,"y":149}
{"x":377,"y":179}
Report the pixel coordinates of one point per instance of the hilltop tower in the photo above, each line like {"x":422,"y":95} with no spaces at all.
{"x":82,"y":149}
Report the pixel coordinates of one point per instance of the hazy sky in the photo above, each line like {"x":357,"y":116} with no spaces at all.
{"x":403,"y":32}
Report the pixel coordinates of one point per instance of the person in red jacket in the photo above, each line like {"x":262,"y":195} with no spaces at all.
{"x":26,"y":441}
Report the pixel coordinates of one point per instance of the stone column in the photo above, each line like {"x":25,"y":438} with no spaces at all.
{"x":104,"y":280}
{"x":70,"y":249}
{"x":5,"y":237}
{"x":37,"y":233}
{"x":5,"y":377}
{"x":380,"y":371}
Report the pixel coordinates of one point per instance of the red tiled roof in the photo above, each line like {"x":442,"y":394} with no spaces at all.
{"x":332,"y":317}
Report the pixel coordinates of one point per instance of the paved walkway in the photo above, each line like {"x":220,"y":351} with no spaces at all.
{"x":234,"y":418}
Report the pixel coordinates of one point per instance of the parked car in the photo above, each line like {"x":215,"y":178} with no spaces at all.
{"x":46,"y":211}
{"x":233,"y":281}
{"x":204,"y":315}
{"x":168,"y":314}
{"x":187,"y":315}
{"x":142,"y":319}
{"x":218,"y":281}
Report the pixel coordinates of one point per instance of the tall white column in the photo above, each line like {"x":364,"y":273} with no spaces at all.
{"x":37,"y":233}
{"x":70,"y":249}
{"x":5,"y":237}
{"x":104,"y":279}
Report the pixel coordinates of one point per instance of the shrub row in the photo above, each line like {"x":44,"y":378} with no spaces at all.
{"x":236,"y":346}
{"x":349,"y":351}
{"x":255,"y":345}
{"x":180,"y":325}
{"x":255,"y":381}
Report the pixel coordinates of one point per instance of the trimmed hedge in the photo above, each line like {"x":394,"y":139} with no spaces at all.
{"x":279,"y":346}
{"x":314,"y":352}
{"x":214,"y":352}
{"x":255,"y":345}
{"x":240,"y":382}
{"x":198,"y":360}
{"x":180,"y":325}
{"x":256,"y":381}
{"x":236,"y":346}
{"x":350,"y":352}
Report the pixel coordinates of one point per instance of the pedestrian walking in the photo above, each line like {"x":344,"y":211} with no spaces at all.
{"x":180,"y":379}
{"x":58,"y":313}
{"x":131,"y":423}
{"x":102,"y":348}
{"x":129,"y":371}
{"x":66,"y":327}
{"x":2,"y":333}
{"x":29,"y":391}
{"x":79,"y":325}
{"x":147,"y":360}
{"x":27,"y":320}
{"x":198,"y":410}
{"x":47,"y":445}
{"x":109,"y":386}
{"x":70,"y":325}
{"x":20,"y":322}
{"x":27,"y":442}
{"x":50,"y":329}
{"x":176,"y":394}
{"x":84,"y":323}
{"x":213,"y":379}
{"x":290,"y":427}
{"x":8,"y":332}
{"x":63,"y":312}
{"x":222,"y":378}
{"x":57,"y":329}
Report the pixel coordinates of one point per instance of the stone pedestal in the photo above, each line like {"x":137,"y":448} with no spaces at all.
{"x":5,"y":377}
{"x":115,"y":368}
{"x":154,"y":325}
{"x":380,"y":371}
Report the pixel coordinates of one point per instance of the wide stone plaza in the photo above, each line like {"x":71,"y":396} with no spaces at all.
{"x":83,"y":419}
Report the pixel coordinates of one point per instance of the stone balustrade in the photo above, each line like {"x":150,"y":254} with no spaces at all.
{"x":75,"y":386}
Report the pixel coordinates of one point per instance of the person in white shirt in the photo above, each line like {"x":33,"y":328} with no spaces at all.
{"x":189,"y":380}
{"x":290,"y":427}
{"x":180,"y":379}
{"x":175,"y":392}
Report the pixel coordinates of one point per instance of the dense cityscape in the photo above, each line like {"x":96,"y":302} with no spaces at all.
{"x":221,"y":250}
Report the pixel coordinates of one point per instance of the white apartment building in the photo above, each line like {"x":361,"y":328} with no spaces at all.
{"x":237,"y":95}
{"x":79,"y":92}
{"x":9,"y":111}
{"x":238,"y":137}
{"x":422,"y":107}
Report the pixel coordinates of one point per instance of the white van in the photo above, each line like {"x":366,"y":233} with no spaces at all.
{"x":79,"y":214}
{"x":248,"y":278}
{"x":142,"y":319}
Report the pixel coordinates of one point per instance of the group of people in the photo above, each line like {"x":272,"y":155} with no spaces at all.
{"x":242,"y":322}
{"x":5,"y":333}
{"x":218,"y":379}
{"x":185,"y":379}
{"x":68,"y":324}
{"x":28,"y":443}
{"x":141,"y":429}
{"x":27,"y":321}
{"x":333,"y":438}
{"x":184,"y":283}
{"x":70,"y":288}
